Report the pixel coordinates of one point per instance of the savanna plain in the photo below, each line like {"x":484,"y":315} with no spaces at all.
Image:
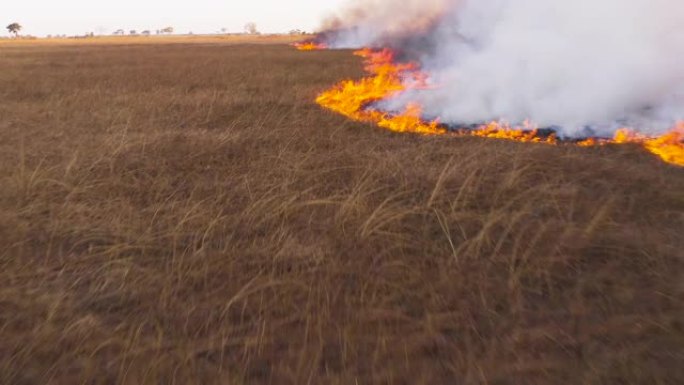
{"x":184,"y":213}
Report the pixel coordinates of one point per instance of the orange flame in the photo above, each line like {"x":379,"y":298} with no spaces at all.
{"x":669,"y":147}
{"x":497,"y":130}
{"x":309,"y":46}
{"x":353,"y":99}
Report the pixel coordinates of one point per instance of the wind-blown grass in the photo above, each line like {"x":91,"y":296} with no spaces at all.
{"x":187,"y":214}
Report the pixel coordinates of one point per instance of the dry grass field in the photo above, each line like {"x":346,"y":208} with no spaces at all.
{"x":185,"y":214}
{"x":150,"y":40}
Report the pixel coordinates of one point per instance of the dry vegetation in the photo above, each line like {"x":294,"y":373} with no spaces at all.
{"x":151,"y":39}
{"x":185,"y":214}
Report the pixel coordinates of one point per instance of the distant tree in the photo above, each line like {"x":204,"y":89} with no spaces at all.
{"x":168,"y":30}
{"x":133,"y":32}
{"x":224,"y":30}
{"x":146,"y":32}
{"x":14,"y":28}
{"x":119,"y":32}
{"x":251,"y":28}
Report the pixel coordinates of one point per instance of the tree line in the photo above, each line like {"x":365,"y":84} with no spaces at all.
{"x":249,"y":28}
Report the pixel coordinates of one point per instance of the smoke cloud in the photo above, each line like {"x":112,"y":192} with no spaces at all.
{"x":585,"y":67}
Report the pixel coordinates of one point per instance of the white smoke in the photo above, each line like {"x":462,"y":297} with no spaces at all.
{"x":577,"y":65}
{"x":373,"y":22}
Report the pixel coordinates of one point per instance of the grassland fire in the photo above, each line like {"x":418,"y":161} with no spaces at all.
{"x":182,"y":211}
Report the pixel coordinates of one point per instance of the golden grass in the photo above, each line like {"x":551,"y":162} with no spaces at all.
{"x":153,"y":39}
{"x":186,"y":214}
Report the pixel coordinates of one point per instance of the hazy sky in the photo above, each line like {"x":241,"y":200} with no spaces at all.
{"x":43,"y":17}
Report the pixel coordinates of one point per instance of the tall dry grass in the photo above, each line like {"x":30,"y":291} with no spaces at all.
{"x":179,"y":214}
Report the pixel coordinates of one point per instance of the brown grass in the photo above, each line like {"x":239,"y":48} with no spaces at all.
{"x":152,"y":39}
{"x":184,"y":214}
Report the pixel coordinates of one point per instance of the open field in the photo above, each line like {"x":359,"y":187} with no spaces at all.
{"x":150,"y":40}
{"x":184,"y":213}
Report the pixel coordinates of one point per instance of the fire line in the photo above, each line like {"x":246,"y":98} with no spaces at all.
{"x":388,"y":78}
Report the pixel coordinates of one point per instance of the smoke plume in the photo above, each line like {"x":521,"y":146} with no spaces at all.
{"x":584,"y":67}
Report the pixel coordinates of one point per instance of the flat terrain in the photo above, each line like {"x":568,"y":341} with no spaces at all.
{"x":151,"y":40}
{"x":185,"y":214}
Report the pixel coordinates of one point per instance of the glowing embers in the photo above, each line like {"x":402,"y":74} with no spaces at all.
{"x":356,"y":99}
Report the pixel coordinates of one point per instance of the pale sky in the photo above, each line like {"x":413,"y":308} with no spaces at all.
{"x":71,"y":17}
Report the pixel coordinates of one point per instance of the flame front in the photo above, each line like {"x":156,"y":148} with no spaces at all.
{"x":310,"y":46}
{"x":355,"y":99}
{"x":669,"y":147}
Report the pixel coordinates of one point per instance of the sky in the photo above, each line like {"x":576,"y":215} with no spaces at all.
{"x":77,"y":17}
